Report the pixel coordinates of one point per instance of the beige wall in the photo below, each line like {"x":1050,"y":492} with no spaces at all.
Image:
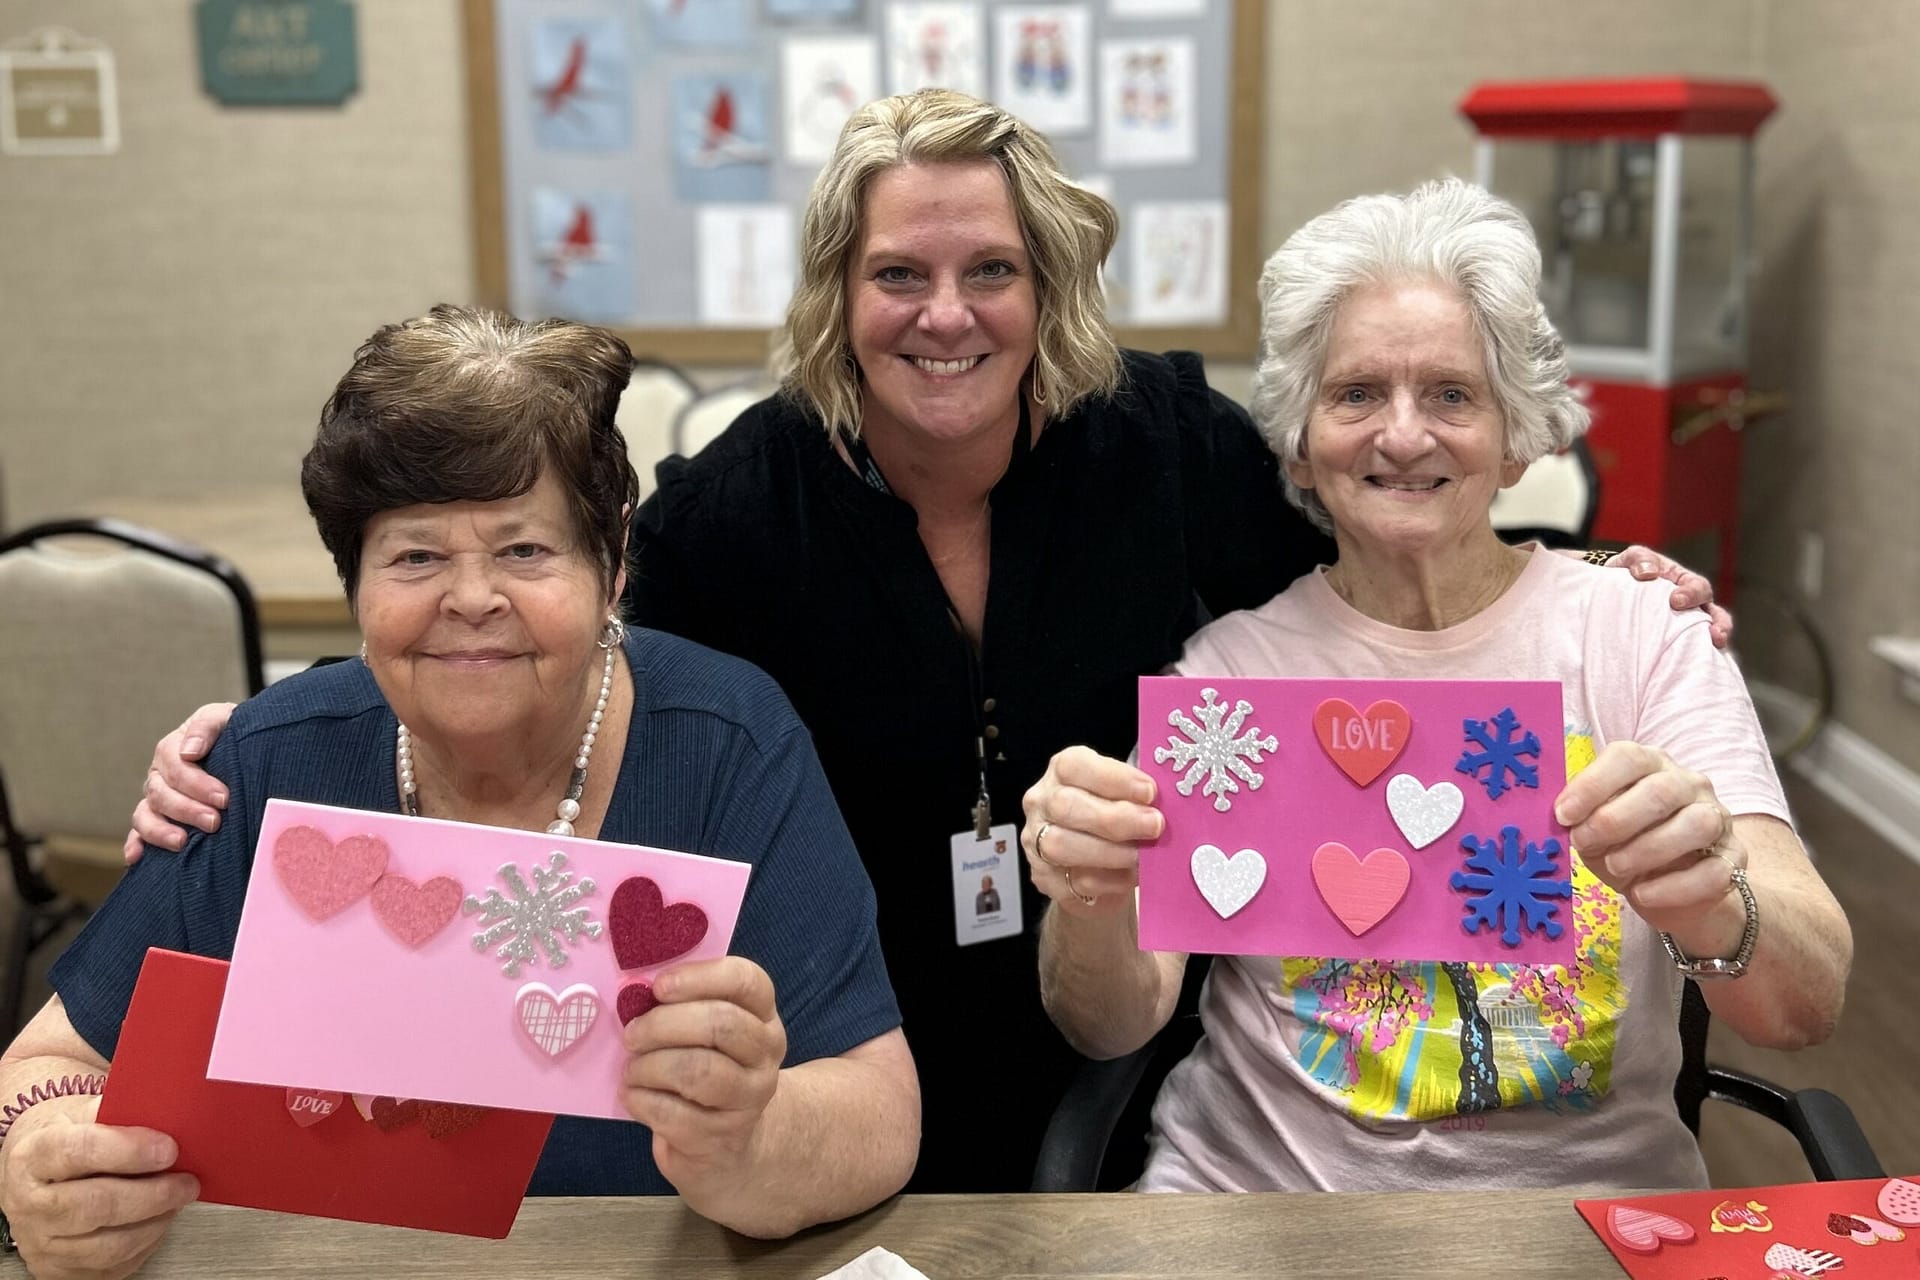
{"x":172,"y":317}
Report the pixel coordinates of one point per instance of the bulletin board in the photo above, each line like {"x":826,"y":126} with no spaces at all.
{"x":643,"y":164}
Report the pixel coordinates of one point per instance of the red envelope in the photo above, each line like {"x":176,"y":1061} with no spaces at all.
{"x":1865,"y":1230}
{"x":244,"y":1144}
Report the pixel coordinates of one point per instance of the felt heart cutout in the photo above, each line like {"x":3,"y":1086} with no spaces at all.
{"x":415,"y":912}
{"x":1645,"y":1230}
{"x":323,"y":876}
{"x":1806,"y":1262}
{"x":1359,"y":891}
{"x":1362,"y":743}
{"x":635,"y":999}
{"x":1423,"y":814}
{"x":363,"y":1103}
{"x":1899,"y":1202}
{"x":1227,"y":883}
{"x":1863,"y":1230}
{"x":553,"y":1022}
{"x":309,"y":1107}
{"x":389,"y":1114}
{"x":645,"y":930}
{"x":444,"y":1119}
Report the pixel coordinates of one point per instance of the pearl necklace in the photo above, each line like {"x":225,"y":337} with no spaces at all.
{"x":569,"y":807}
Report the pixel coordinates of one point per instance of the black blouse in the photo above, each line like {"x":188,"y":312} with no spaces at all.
{"x":1129,"y":524}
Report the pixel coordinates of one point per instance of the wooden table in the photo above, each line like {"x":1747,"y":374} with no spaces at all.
{"x":1486,"y":1236}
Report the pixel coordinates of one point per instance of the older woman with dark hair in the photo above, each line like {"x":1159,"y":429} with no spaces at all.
{"x":1407,"y":372}
{"x":473,"y":490}
{"x":965,"y":526}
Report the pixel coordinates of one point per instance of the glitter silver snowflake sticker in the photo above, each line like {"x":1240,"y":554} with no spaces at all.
{"x":534,"y":919}
{"x":1213,"y":751}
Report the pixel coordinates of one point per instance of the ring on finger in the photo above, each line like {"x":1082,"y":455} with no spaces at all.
{"x":1038,"y":837}
{"x":1084,"y":899}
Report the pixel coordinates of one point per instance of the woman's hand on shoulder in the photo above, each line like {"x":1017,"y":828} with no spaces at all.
{"x":85,"y":1199}
{"x":1690,"y":590}
{"x":1655,"y":832}
{"x":177,"y":789}
{"x":702,"y":1066}
{"x":1086,"y":820}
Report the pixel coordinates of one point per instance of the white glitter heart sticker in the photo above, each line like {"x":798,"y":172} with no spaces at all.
{"x":1228,"y":884}
{"x":1423,"y":814}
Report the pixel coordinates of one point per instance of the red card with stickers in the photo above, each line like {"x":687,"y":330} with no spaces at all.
{"x":1861,"y":1230}
{"x":402,"y":1162}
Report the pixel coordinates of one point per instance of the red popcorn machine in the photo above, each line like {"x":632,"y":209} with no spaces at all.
{"x":1641,"y":195}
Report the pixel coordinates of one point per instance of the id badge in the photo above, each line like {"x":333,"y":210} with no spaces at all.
{"x":986,"y":885}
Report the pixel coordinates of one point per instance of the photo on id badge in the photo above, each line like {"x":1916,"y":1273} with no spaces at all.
{"x":986,"y":885}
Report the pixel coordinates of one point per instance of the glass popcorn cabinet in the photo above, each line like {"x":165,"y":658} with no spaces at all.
{"x":1640,"y":193}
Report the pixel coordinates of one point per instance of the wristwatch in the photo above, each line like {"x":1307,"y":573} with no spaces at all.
{"x":1708,"y":970}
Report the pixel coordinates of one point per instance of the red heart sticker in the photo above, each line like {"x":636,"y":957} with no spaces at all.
{"x":415,"y":912}
{"x":444,"y":1119}
{"x":309,"y":1107}
{"x":1362,"y":743}
{"x":1645,"y":1230}
{"x":323,"y":876}
{"x":646,"y":931}
{"x":394,"y":1113}
{"x":635,"y":999}
{"x":1360,"y":891}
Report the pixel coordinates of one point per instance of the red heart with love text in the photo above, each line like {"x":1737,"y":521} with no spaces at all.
{"x":415,"y":912}
{"x":324,"y":876}
{"x":646,"y":930}
{"x":1362,"y":743}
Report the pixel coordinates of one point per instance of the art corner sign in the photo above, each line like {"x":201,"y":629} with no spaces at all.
{"x":277,"y":52}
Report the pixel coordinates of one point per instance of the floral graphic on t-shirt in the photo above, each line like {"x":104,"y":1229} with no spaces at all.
{"x":1428,"y":1041}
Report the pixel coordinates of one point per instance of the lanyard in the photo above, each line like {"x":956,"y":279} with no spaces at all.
{"x":869,"y":471}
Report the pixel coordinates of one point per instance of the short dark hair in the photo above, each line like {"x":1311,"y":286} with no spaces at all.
{"x":468,"y":405}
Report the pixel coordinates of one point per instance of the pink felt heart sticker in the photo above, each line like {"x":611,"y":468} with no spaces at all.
{"x":556,"y":1021}
{"x":323,"y":876}
{"x":635,"y":999}
{"x":415,"y":912}
{"x":1645,"y":1230}
{"x":1359,"y":891}
{"x":1899,"y":1201}
{"x":1362,"y":743}
{"x":646,"y":931}
{"x":309,"y":1107}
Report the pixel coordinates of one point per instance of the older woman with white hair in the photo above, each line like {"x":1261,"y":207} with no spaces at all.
{"x":1407,"y":372}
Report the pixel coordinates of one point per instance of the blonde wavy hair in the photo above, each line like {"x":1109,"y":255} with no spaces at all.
{"x":1068,"y":230}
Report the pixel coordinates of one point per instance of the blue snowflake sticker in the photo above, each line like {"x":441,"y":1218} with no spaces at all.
{"x":1512,"y":888}
{"x":1499,"y":754}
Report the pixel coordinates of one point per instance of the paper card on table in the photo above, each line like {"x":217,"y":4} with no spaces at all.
{"x":419,"y":958}
{"x":1867,"y":1229}
{"x":297,"y":1150}
{"x":1404,"y":820}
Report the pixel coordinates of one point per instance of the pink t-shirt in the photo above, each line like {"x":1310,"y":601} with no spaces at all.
{"x":1347,"y":1076}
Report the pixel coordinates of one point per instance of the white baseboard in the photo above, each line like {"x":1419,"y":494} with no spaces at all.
{"x":1866,"y":781}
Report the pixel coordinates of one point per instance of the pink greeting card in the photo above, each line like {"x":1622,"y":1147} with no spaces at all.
{"x":418,"y":958}
{"x":1406,"y":820}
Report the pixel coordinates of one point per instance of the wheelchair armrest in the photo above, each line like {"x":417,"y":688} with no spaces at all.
{"x":1823,"y":1124}
{"x":1075,"y":1144}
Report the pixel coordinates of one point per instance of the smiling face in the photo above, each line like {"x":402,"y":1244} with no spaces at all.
{"x":481,"y":618}
{"x":941,"y":303}
{"x":1405,"y":444}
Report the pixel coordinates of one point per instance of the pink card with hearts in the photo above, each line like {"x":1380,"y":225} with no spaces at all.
{"x":418,"y":958}
{"x":1403,"y":820}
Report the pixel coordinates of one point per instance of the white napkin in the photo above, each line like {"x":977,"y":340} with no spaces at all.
{"x":876,"y":1264}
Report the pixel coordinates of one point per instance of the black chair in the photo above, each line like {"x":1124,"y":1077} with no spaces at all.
{"x":1074,"y":1152}
{"x":103,"y":654}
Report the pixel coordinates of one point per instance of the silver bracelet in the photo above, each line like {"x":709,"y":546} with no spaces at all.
{"x":1711,"y":969}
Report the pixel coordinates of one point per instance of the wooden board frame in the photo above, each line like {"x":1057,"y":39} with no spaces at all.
{"x":1235,"y":339}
